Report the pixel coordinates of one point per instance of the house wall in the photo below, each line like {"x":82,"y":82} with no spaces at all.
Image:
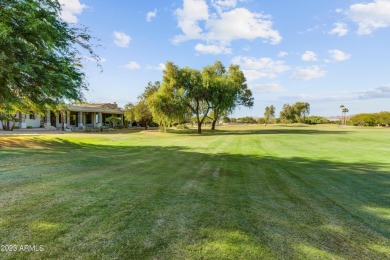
{"x":35,"y":123}
{"x":26,"y":121}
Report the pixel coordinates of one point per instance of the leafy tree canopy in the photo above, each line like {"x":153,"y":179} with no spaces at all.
{"x":141,"y":112}
{"x":39,"y":55}
{"x":373,"y":119}
{"x":269,"y":113}
{"x":187,"y":91}
{"x":294,"y":113}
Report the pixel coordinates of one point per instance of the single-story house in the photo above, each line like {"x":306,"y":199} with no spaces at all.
{"x":77,"y":115}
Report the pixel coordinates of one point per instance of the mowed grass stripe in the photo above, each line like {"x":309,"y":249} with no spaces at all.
{"x":238,"y":193}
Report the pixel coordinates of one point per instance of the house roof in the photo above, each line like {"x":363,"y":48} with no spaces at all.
{"x":96,"y":107}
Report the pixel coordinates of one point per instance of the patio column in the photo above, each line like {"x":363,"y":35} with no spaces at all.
{"x":48,"y":117}
{"x":93,"y":119}
{"x":81,"y":119}
{"x":57,"y":120}
{"x":68,"y":119}
{"x":22,"y":123}
{"x":100,"y":119}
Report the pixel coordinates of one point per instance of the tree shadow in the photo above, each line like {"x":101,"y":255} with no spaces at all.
{"x":171,"y":202}
{"x":303,"y":131}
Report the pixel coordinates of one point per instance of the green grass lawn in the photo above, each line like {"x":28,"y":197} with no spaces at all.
{"x":247,"y":193}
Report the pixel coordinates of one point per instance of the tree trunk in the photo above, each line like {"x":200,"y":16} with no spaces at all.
{"x":7,"y":125}
{"x":199,"y":127}
{"x":213,"y":124}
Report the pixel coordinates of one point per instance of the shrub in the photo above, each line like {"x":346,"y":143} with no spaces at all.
{"x":29,"y":127}
{"x":182,"y":126}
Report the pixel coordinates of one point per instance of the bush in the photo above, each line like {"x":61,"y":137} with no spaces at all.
{"x":29,"y":127}
{"x":373,"y":119}
{"x":16,"y":127}
{"x":261,"y":120}
{"x":314,"y":120}
{"x":247,"y":120}
{"x":226,"y":119}
{"x":182,"y":126}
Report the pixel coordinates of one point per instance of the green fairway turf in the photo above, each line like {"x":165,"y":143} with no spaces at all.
{"x":239,"y":193}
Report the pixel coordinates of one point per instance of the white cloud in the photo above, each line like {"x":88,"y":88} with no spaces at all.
{"x":151,"y":15}
{"x":160,"y":67}
{"x":197,"y":21}
{"x":240,"y":23}
{"x":221,"y":5}
{"x":71,"y":8}
{"x":260,"y":68}
{"x":189,"y":17}
{"x":282,"y":54}
{"x":337,"y":55}
{"x":308,"y":73}
{"x":212,"y":49}
{"x":309,"y":56}
{"x":372,"y":93}
{"x":121,"y":39}
{"x":370,"y":16}
{"x":266,"y":88}
{"x":132,"y":65}
{"x":340,"y":29}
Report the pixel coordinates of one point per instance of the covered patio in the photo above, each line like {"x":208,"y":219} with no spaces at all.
{"x":84,"y":115}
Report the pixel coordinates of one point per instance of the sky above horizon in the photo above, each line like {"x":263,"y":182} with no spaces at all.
{"x":324,"y":52}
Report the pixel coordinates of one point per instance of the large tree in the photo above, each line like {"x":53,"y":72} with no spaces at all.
{"x":294,"y":113}
{"x":227,"y":90}
{"x":187,"y":91}
{"x":182,"y":92}
{"x":40,"y":55}
{"x":288,"y":113}
{"x":301,"y":110}
{"x":141,"y":112}
{"x":269,"y":113}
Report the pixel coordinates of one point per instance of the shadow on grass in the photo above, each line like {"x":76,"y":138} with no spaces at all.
{"x":304,"y":131}
{"x":169,"y":202}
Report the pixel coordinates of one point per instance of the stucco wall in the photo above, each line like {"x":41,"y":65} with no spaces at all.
{"x":35,"y":123}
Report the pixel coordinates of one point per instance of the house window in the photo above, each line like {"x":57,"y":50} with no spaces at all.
{"x":32,"y":115}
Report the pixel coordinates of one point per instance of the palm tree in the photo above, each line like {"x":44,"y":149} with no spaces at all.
{"x":345,"y":111}
{"x":342,"y":114}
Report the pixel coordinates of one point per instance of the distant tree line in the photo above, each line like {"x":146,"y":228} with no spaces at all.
{"x":373,"y":119}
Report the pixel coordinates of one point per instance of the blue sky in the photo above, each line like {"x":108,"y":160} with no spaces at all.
{"x":324,"y":52}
